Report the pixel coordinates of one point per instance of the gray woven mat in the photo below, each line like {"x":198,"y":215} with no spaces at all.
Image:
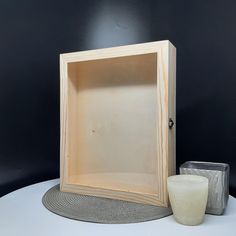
{"x":100,"y":210}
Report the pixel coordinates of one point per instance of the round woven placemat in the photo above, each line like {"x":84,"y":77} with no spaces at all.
{"x":100,"y":210}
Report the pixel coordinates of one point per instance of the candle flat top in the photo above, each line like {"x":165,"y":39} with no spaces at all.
{"x":187,"y":179}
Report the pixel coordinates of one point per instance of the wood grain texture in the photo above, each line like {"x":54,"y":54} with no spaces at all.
{"x":171,"y":111}
{"x":115,"y":107}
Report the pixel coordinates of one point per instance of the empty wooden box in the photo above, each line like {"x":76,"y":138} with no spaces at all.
{"x":117,"y":122}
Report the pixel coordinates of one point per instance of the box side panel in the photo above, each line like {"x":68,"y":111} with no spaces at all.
{"x":162,"y":120}
{"x":72,"y":124}
{"x":63,"y":95}
{"x":68,"y":123}
{"x":172,"y":110}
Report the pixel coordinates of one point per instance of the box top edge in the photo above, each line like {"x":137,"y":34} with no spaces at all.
{"x":146,"y":44}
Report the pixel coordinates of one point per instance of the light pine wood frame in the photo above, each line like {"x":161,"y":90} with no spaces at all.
{"x":165,"y":54}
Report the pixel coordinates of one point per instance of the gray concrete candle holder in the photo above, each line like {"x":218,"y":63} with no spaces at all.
{"x":218,"y":176}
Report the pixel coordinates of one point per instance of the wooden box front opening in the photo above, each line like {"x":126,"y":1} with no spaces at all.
{"x":112,"y":123}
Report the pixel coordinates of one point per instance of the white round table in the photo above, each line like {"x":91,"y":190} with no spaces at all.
{"x":22,"y":214}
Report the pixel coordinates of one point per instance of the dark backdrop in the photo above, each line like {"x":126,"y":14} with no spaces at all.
{"x":34,"y":33}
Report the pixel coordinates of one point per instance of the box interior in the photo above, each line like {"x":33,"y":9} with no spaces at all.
{"x":112,"y":123}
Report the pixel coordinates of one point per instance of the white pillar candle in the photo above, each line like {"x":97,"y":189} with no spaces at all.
{"x":188,"y":198}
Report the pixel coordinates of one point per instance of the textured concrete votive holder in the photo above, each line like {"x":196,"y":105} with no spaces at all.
{"x":218,"y":176}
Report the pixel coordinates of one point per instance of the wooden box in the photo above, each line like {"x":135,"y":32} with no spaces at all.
{"x":117,"y":113}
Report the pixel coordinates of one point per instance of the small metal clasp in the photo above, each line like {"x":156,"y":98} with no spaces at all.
{"x":171,"y":123}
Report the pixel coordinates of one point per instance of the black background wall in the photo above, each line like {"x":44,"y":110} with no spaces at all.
{"x":34,"y":33}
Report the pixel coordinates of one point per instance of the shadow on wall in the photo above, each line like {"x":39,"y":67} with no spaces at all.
{"x":116,"y":24}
